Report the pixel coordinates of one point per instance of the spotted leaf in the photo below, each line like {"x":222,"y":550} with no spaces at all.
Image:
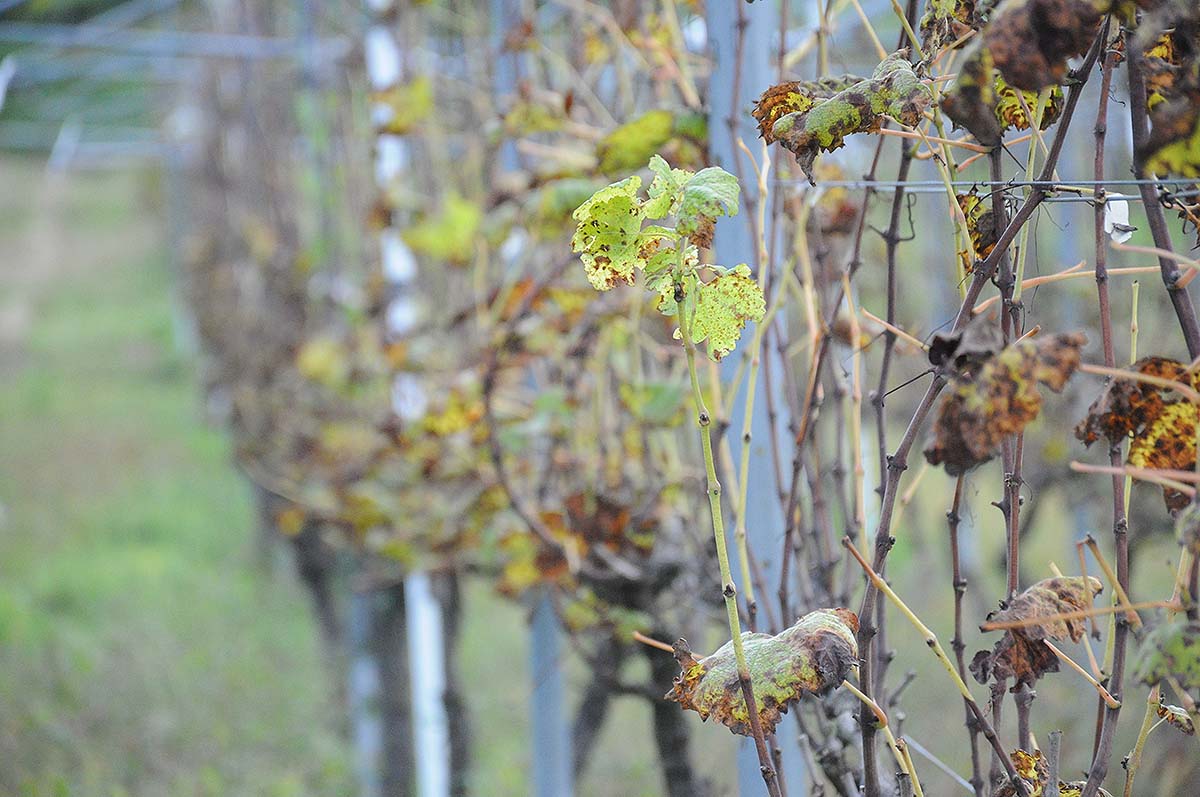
{"x":893,"y":90}
{"x":1160,"y":421}
{"x":608,"y":235}
{"x":723,"y":307}
{"x":1171,"y":651}
{"x":813,"y":656}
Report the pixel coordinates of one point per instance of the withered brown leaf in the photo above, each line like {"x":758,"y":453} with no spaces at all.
{"x":970,"y":346}
{"x":1161,"y":421}
{"x":1031,"y":40}
{"x":1176,"y":717}
{"x":999,"y":398}
{"x":1021,"y":653}
{"x":814,"y":655}
{"x":1035,"y":771}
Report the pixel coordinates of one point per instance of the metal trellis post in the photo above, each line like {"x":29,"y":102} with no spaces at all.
{"x":735,"y":244}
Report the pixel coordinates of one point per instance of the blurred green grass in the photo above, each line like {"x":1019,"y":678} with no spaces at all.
{"x":140,"y":651}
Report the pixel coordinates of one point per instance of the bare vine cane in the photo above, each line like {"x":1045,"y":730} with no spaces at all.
{"x":1185,"y":312}
{"x":983,"y":273}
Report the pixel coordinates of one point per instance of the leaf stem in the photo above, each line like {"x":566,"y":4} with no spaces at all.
{"x":1109,"y":700}
{"x":1135,"y":755}
{"x":1077,"y":614}
{"x":728,"y":588}
{"x":904,"y":761}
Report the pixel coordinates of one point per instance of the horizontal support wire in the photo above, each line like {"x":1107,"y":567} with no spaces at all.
{"x":939,"y":187}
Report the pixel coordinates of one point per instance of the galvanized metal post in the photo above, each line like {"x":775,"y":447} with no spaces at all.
{"x":731,"y":91}
{"x":427,"y":665}
{"x":423,"y":621}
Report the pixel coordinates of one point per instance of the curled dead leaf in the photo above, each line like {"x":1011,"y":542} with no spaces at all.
{"x":795,"y":96}
{"x":981,"y":226}
{"x":984,"y":103}
{"x":893,"y":90}
{"x":946,"y":21}
{"x":1161,"y":421}
{"x":1031,"y":40}
{"x":1171,"y":66}
{"x":999,"y":398}
{"x":1022,"y":654}
{"x":1177,"y":718}
{"x":814,"y":655}
{"x":1034,"y":770}
{"x":968,"y":348}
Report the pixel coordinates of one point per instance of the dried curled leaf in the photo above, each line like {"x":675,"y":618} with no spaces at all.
{"x":1161,"y":421}
{"x":1021,"y":653}
{"x":893,"y":90}
{"x":1171,"y":650}
{"x":981,"y":225}
{"x":795,"y":96}
{"x":1034,"y":770}
{"x":1174,"y":143}
{"x":1031,"y":40}
{"x":947,"y":21}
{"x":814,"y":655}
{"x":1177,"y":718}
{"x":1011,"y":105}
{"x":984,"y":103}
{"x":968,"y":348}
{"x":1161,"y":63}
{"x":999,"y":398}
{"x":1172,"y":70}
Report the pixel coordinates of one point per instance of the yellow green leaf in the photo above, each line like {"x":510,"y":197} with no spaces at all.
{"x":723,"y":307}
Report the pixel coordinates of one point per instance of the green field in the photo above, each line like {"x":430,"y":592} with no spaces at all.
{"x":140,"y":650}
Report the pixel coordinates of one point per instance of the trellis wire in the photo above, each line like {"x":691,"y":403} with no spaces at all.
{"x":938,"y":187}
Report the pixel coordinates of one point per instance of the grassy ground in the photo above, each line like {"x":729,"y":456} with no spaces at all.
{"x":140,"y":652}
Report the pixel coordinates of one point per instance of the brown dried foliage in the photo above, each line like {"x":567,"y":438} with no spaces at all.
{"x":1031,"y":40}
{"x":999,"y":398}
{"x":1021,"y":653}
{"x":1160,"y":421}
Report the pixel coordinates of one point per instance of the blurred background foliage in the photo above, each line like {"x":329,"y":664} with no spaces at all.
{"x":152,"y":644}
